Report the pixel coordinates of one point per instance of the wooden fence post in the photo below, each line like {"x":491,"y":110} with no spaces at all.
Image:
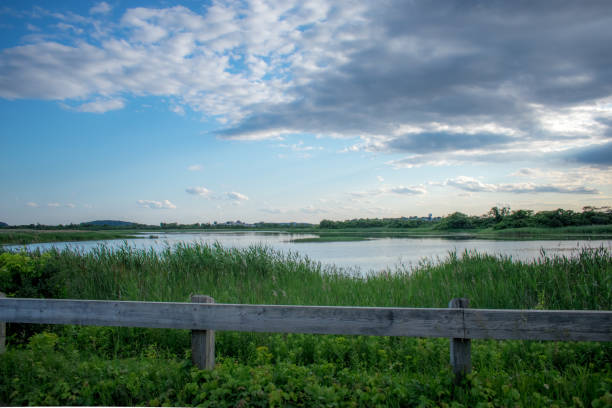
{"x":2,"y":332}
{"x":203,"y":341}
{"x":460,"y":348}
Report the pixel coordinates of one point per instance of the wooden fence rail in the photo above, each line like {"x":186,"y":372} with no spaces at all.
{"x":457,"y":322}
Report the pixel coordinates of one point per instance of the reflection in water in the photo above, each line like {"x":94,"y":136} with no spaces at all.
{"x":375,"y":254}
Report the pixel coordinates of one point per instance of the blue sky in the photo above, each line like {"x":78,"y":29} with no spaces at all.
{"x":301,"y":110}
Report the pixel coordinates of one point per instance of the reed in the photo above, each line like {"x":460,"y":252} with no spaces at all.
{"x":261,"y":275}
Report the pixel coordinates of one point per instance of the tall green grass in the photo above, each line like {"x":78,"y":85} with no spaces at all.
{"x":23,"y":237}
{"x":261,"y":275}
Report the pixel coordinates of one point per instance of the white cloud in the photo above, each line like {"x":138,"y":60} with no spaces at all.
{"x":195,"y":167}
{"x":380,"y":178}
{"x":70,"y":205}
{"x":526,"y":172}
{"x":267,"y":69}
{"x":473,"y":185}
{"x":576,"y":176}
{"x":310,"y":209}
{"x":178,"y":109}
{"x":236,"y":196}
{"x":168,"y":52}
{"x":165,"y":204}
{"x":31,"y":204}
{"x":100,"y":8}
{"x":400,"y":190}
{"x":54,"y":205}
{"x":201,"y":191}
{"x":101,"y":105}
{"x":416,"y":190}
{"x":300,"y":147}
{"x":273,"y":210}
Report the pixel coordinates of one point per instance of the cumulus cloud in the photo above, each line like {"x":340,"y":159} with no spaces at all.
{"x":100,"y":8}
{"x":195,"y":167}
{"x":234,"y":196}
{"x":471,"y":184}
{"x":584,"y":175}
{"x":100,"y":105}
{"x":31,"y":204}
{"x":419,"y":78}
{"x":405,"y":190}
{"x":156,"y":205}
{"x":399,"y":190}
{"x":54,"y":205}
{"x":201,"y":191}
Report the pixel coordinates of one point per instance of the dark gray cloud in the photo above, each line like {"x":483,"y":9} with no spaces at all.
{"x":597,"y":155}
{"x":429,"y":142}
{"x":457,"y":62}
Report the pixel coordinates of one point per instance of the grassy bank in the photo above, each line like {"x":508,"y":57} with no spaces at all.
{"x":66,"y":365}
{"x":526,"y":233}
{"x":23,"y":237}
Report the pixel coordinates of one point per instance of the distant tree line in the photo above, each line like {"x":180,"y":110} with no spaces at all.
{"x":124,"y":225}
{"x":496,"y":218}
{"x":375,"y":223}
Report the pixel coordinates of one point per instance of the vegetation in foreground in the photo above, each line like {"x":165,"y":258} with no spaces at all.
{"x":69,"y":365}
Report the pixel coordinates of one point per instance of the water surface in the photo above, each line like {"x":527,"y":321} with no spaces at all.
{"x":359,"y":256}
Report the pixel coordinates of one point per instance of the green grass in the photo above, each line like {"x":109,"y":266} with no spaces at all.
{"x":68,"y":365}
{"x":24,"y":237}
{"x":527,"y":233}
{"x":261,"y":275}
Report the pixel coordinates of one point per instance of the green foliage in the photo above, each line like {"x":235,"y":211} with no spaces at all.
{"x":71,"y":365}
{"x":398,"y":373}
{"x":403,"y":222}
{"x":456,"y":220}
{"x":497,"y":218}
{"x":22,"y":275}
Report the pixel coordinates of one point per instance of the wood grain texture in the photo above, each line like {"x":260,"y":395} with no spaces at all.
{"x":460,"y":348}
{"x":562,"y":325}
{"x":479,"y":323}
{"x":203,"y":341}
{"x":259,"y":318}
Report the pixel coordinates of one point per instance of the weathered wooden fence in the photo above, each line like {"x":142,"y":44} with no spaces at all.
{"x":203,"y":317}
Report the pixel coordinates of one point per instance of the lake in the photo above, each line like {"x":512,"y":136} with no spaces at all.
{"x":358,"y":256}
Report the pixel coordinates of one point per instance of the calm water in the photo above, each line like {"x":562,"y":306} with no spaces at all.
{"x":376,"y":254}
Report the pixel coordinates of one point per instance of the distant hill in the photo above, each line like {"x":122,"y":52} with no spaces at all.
{"x":110,"y":223}
{"x":3,"y":224}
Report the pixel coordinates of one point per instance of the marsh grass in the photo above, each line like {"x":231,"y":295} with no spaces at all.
{"x":261,"y":275}
{"x":24,"y":237}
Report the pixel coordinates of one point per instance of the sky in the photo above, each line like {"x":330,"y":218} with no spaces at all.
{"x":170,"y":111}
